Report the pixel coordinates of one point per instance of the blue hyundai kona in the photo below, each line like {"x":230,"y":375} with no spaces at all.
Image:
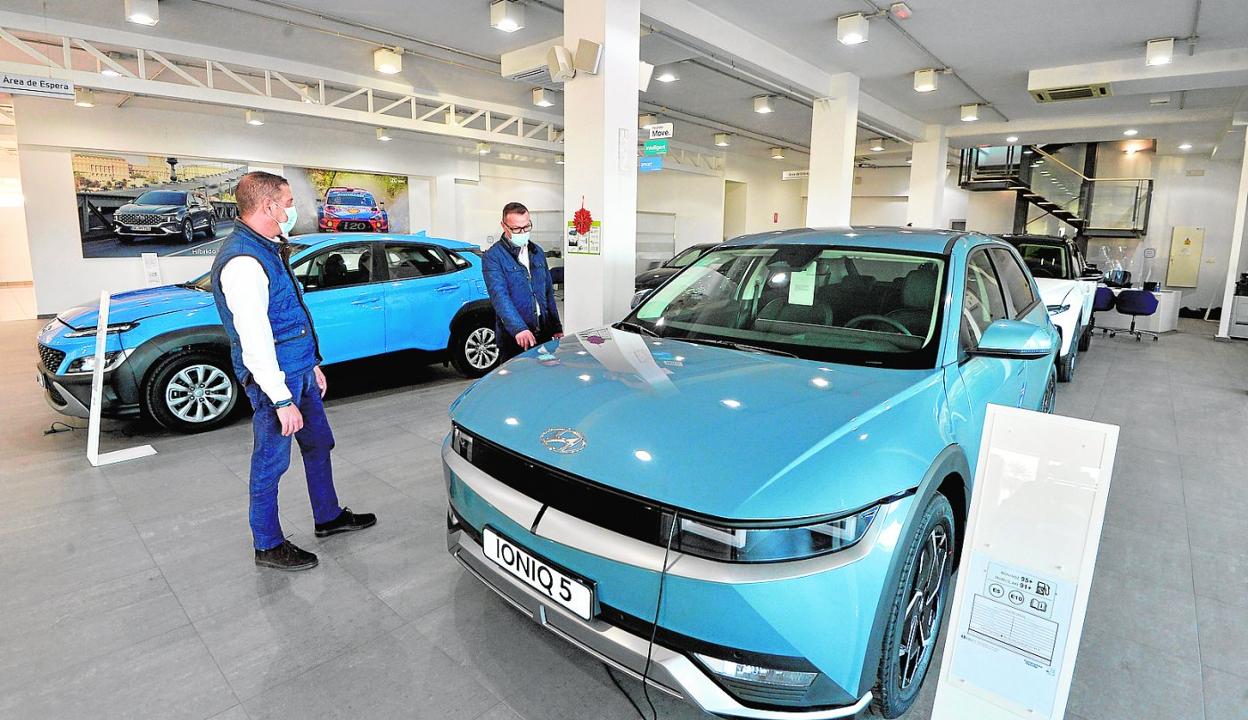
{"x":749,"y":493}
{"x":167,"y":354}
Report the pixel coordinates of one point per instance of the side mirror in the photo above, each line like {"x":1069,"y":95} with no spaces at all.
{"x":639,"y":298}
{"x":1014,"y":340}
{"x":1091,"y":273}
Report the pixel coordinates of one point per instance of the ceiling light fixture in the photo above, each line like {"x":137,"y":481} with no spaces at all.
{"x":970,"y":113}
{"x":1132,"y":132}
{"x":1159,"y":51}
{"x":84,"y":97}
{"x":877,"y":145}
{"x":559,"y":160}
{"x":1012,"y":139}
{"x":777,"y":153}
{"x":645,"y":120}
{"x":483,"y":148}
{"x":852,"y":29}
{"x":764,"y":104}
{"x":722,"y":140}
{"x":383,"y":135}
{"x":388,"y":61}
{"x":254,"y":117}
{"x":506,"y":15}
{"x":667,"y":76}
{"x":1185,"y":146}
{"x":540,"y":99}
{"x":900,"y":10}
{"x":142,"y":12}
{"x":925,"y":80}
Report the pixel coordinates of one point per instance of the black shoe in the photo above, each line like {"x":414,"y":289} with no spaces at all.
{"x":286,"y":557}
{"x":346,"y":522}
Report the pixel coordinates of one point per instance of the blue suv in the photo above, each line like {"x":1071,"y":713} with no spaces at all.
{"x":368,"y":295}
{"x":751,"y":491}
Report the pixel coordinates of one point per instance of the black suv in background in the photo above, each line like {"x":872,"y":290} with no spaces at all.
{"x":165,"y":213}
{"x":655,"y":277}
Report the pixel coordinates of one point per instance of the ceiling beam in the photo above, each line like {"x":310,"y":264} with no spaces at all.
{"x":1209,"y":69}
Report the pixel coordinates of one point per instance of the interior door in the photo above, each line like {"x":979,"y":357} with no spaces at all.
{"x":1186,"y":245}
{"x":345,"y":301}
{"x":425,"y":288}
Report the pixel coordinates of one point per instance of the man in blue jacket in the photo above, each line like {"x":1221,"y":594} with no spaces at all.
{"x":518,"y":280}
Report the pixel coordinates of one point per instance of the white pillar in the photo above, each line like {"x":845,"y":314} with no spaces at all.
{"x":929,"y":160}
{"x":833,"y":136}
{"x":600,"y":119}
{"x":1237,"y":238}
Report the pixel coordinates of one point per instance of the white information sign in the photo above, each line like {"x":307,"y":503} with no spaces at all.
{"x":1041,"y":485}
{"x":794,"y":174}
{"x":97,"y":393}
{"x":660,"y":130}
{"x":39,"y":86}
{"x":151,"y":270}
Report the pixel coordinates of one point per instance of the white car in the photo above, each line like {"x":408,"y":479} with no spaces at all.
{"x":1067,"y":286}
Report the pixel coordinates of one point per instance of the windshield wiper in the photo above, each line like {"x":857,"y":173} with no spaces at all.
{"x":190,"y":286}
{"x":636,"y":327}
{"x":738,"y":346}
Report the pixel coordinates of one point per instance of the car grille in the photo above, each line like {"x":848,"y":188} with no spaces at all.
{"x":138,"y":218}
{"x":354,"y":225}
{"x":51,"y":357}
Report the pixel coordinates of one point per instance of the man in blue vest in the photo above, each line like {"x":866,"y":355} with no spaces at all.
{"x":518,"y":280}
{"x":276,"y":357}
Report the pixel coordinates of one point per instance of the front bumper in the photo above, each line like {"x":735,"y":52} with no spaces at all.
{"x":168,"y":228}
{"x":71,"y":394}
{"x":628,"y":567}
{"x":352,"y":225}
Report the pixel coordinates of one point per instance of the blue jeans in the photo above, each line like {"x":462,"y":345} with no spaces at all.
{"x":270,"y":457}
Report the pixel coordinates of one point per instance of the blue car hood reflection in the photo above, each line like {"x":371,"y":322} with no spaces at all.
{"x":137,"y":305}
{"x":719,"y":431}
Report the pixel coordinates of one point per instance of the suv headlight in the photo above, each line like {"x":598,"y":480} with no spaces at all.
{"x":112,"y":359}
{"x":769,"y":544}
{"x":112,"y":328}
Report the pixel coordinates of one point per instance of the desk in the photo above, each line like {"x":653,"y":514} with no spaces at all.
{"x":1164,"y":320}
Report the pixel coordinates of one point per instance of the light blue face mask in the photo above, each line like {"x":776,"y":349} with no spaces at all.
{"x":520,"y":239}
{"x":292,"y":216}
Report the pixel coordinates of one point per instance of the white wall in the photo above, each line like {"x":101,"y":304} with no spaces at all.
{"x":14,"y":252}
{"x":881,"y":196}
{"x":696,"y":200}
{"x":991,"y":212}
{"x":479,"y":204}
{"x":771,"y":203}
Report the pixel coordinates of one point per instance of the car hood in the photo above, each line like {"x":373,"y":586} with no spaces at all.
{"x":149,"y":209}
{"x":1055,"y":291}
{"x":137,"y":305}
{"x":655,"y":277}
{"x":721,"y":432}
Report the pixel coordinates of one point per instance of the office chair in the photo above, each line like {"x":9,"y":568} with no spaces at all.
{"x":1136,"y":303}
{"x":1103,"y":300}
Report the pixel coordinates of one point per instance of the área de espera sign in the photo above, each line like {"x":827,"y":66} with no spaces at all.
{"x":38,"y":86}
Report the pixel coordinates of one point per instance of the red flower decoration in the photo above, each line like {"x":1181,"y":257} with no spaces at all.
{"x":582,"y":220}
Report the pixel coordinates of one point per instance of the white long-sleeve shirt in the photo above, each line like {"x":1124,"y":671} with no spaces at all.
{"x":246,"y":288}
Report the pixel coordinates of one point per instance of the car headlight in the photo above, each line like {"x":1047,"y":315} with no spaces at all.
{"x":113,"y":328}
{"x":112,"y":359}
{"x":769,"y":544}
{"x":1057,"y":309}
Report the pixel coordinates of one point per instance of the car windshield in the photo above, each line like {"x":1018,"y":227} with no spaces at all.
{"x":1044,"y":260}
{"x":204,"y":282}
{"x":684,"y":258}
{"x":161,"y":197}
{"x":354,"y":200}
{"x":833,"y":304}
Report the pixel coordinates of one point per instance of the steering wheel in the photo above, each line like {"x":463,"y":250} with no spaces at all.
{"x":880,"y":319}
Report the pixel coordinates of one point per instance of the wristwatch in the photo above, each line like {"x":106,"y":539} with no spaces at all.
{"x":284,"y":403}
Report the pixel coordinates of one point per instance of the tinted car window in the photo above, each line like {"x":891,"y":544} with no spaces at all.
{"x":340,"y":266}
{"x":1014,"y":279}
{"x":353,"y":200}
{"x":162,"y":197}
{"x":982,"y":302}
{"x":1044,"y":260}
{"x":409,"y":261}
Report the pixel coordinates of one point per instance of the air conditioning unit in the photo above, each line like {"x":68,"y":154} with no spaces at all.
{"x":528,"y":64}
{"x":1077,"y":92}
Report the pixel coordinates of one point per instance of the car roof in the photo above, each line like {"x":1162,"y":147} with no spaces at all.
{"x":867,"y":236}
{"x":1039,"y":239}
{"x":316,"y":240}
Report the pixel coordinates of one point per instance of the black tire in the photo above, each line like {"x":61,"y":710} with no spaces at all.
{"x":170,"y":393}
{"x":211,"y":231}
{"x":1066,"y":365}
{"x":1085,"y":340}
{"x":1048,"y":402}
{"x":474,"y":346}
{"x":188,"y":231}
{"x":925,"y":578}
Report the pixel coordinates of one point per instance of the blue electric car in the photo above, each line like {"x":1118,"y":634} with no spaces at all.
{"x":750,"y":491}
{"x":167,"y":354}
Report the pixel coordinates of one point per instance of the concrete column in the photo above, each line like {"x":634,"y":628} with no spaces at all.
{"x":833,"y":136}
{"x":600,"y":119}
{"x":929,"y":160}
{"x":1237,"y":239}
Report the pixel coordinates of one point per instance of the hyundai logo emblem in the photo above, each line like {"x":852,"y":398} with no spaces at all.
{"x":564,"y":441}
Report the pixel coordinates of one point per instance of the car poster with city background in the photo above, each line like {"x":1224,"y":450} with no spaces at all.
{"x":347,"y":201}
{"x":134,"y":204}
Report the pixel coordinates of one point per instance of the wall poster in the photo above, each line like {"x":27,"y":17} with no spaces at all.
{"x":347,"y":201}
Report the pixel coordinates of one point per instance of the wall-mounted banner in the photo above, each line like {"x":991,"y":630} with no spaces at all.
{"x":38,"y":86}
{"x":660,"y":130}
{"x":655,"y":147}
{"x":794,"y":174}
{"x":650,"y":163}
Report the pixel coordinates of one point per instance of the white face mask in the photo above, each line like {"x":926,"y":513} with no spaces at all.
{"x":292,"y":216}
{"x":520,"y":239}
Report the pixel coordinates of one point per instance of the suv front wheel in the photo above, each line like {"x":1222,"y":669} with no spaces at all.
{"x":192,"y":391}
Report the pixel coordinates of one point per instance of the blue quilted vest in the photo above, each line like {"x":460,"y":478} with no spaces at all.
{"x":293,"y":334}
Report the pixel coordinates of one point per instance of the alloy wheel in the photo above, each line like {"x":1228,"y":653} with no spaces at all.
{"x":481,"y":348}
{"x":1048,"y":402}
{"x":922,"y":618}
{"x":199,"y":393}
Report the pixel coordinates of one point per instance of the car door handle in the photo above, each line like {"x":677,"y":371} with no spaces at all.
{"x":447,"y":288}
{"x":365,"y":301}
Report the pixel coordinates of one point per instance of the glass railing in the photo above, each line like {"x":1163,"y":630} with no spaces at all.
{"x":1119,"y":204}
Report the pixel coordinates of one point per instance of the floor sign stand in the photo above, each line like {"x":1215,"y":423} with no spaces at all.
{"x":1031,"y":540}
{"x":97,"y":395}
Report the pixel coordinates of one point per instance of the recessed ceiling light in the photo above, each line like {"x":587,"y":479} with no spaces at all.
{"x":852,"y":29}
{"x":84,"y":97}
{"x":925,"y":80}
{"x":483,"y":148}
{"x":722,"y":140}
{"x":388,"y":61}
{"x":1012,"y":139}
{"x":764,"y":104}
{"x":383,"y":135}
{"x":1159,"y":51}
{"x":1185,"y":146}
{"x":777,"y":153}
{"x":1131,"y":133}
{"x":559,"y":160}
{"x":254,"y":117}
{"x":877,"y":145}
{"x":970,"y":113}
{"x":667,"y":76}
{"x":506,"y":15}
{"x":909,"y":161}
{"x":142,"y":12}
{"x":540,"y":99}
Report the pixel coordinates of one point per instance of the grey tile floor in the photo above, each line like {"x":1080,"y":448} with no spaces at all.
{"x":129,"y":591}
